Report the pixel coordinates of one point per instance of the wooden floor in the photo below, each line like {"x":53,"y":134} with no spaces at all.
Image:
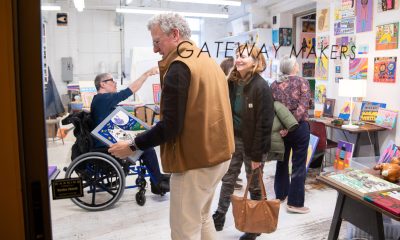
{"x":127,"y":220}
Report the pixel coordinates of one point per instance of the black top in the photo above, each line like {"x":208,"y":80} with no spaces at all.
{"x":173,"y":107}
{"x":102,"y":105}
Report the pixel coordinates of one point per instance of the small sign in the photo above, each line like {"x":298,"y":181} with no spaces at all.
{"x":62,"y":19}
{"x":67,"y":188}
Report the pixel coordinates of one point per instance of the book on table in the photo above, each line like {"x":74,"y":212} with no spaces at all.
{"x":120,"y":125}
{"x":369,"y":111}
{"x":390,"y":201}
{"x":386,"y":118}
{"x":346,"y":110}
{"x":360,"y":182}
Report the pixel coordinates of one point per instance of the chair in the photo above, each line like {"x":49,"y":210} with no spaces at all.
{"x":53,"y":126}
{"x":318,"y":129}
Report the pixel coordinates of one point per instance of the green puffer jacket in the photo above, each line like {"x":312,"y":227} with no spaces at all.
{"x":283,"y":120}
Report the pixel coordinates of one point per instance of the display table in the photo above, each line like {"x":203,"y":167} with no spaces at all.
{"x":369,"y":129}
{"x":354,"y":209}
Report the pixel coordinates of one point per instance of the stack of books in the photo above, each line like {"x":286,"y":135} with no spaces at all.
{"x":390,"y":201}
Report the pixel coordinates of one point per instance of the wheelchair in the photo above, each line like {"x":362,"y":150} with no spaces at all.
{"x":103,"y":176}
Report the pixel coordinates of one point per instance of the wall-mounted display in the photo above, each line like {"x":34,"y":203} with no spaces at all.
{"x":320,"y":93}
{"x":387,"y":36}
{"x":364,"y":15}
{"x":386,"y":5}
{"x":323,"y":20}
{"x":285,"y":36}
{"x":321,"y":68}
{"x":308,"y":26}
{"x":344,"y":26}
{"x":358,"y":68}
{"x":322,"y":41}
{"x":346,"y":9}
{"x":385,"y":69}
{"x":308,"y":69}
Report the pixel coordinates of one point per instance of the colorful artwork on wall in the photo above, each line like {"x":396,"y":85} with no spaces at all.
{"x":363,"y":49}
{"x":348,"y":41}
{"x":307,"y":41}
{"x":387,"y":5}
{"x":275,"y":37}
{"x":364,"y":15}
{"x":308,"y":69}
{"x":323,"y":20}
{"x":344,"y":26}
{"x":312,"y":89}
{"x":346,"y":9}
{"x":285,"y":36}
{"x":320,"y":93}
{"x":338,"y":70}
{"x":322,"y":41}
{"x":321,"y":68}
{"x":387,"y":36}
{"x":308,"y":26}
{"x":385,"y":69}
{"x":358,"y":68}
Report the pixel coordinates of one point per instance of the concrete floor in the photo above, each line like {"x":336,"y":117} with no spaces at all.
{"x":127,"y":220}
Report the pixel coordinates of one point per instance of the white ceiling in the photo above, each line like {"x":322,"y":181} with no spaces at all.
{"x":233,"y":12}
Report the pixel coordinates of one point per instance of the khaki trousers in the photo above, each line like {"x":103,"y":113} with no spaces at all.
{"x":191,"y":196}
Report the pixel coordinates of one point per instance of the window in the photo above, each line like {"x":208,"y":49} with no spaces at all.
{"x":195,"y":26}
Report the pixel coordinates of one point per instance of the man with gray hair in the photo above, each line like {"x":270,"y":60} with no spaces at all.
{"x":195,"y":131}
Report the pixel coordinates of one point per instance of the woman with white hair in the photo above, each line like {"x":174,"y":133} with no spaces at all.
{"x":293,"y":92}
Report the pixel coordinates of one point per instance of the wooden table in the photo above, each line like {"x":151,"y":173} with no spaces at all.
{"x":369,"y":129}
{"x":354,"y":209}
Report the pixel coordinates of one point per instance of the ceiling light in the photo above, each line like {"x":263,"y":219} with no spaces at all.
{"x":79,"y":5}
{"x":50,"y":8}
{"x":217,"y":2}
{"x":154,"y":11}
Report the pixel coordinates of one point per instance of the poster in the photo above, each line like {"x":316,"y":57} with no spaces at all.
{"x":358,"y":68}
{"x":338,"y":70}
{"x":364,"y":16}
{"x":385,"y":69}
{"x":363,"y":49}
{"x":322,"y":41}
{"x":320,"y":93}
{"x":346,"y":9}
{"x":308,"y":26}
{"x":307,"y":41}
{"x":275,"y":37}
{"x":344,"y":26}
{"x":348,"y":41}
{"x":321,"y":68}
{"x":323,"y":20}
{"x":308,"y":69}
{"x":387,"y":5}
{"x":285,"y":36}
{"x":387,"y":36}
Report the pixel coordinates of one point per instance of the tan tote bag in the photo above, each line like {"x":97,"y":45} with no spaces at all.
{"x":255,"y":216}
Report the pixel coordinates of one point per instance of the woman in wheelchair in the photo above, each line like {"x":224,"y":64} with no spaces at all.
{"x":105,"y":101}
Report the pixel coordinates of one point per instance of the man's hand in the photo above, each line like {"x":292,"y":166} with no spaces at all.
{"x":255,"y":165}
{"x":283,"y":132}
{"x":152,"y":71}
{"x":121,"y":149}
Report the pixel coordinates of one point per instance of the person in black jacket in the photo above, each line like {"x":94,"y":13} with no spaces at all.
{"x":253,"y":114}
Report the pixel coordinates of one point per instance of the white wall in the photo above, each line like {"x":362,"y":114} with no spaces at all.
{"x":90,"y":38}
{"x":378,"y":92}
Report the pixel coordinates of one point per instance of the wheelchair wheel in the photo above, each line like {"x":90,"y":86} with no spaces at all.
{"x":102,"y":177}
{"x":141,"y":197}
